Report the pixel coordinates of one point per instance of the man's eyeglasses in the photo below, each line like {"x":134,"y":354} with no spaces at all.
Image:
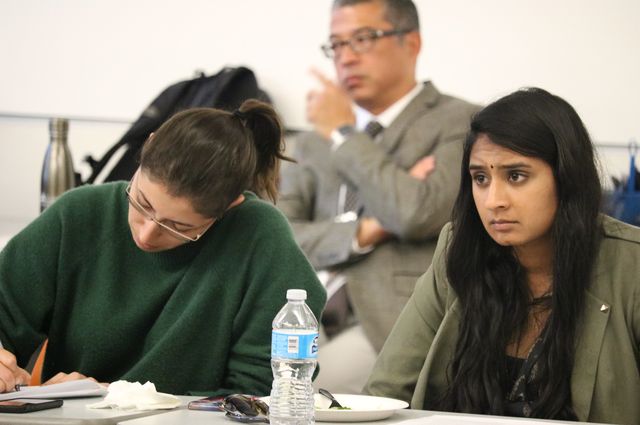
{"x":150,"y":216}
{"x":360,"y":42}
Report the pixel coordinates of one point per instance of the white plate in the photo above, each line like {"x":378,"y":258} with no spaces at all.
{"x":362,"y":408}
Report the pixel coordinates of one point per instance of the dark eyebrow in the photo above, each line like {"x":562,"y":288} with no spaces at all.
{"x":502,"y":167}
{"x":144,"y":198}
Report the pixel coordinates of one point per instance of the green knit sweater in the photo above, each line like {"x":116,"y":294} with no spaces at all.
{"x":193,"y":319}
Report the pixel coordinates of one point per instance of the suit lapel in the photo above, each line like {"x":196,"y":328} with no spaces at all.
{"x":426,"y":99}
{"x":590,"y":336}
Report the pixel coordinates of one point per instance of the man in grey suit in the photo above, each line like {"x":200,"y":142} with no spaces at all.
{"x":367,"y":205}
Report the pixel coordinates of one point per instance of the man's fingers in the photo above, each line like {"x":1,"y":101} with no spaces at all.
{"x":423,"y":167}
{"x":321,"y":77}
{"x":310,"y":96}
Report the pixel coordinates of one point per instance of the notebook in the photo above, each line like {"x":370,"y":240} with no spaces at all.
{"x":70,"y":389}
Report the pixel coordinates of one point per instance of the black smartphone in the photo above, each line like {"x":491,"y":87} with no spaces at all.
{"x":25,"y":405}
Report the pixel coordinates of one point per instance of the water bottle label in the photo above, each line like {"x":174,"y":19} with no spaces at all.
{"x":289,"y":344}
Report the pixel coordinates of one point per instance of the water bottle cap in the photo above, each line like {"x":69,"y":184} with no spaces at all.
{"x":296,"y":294}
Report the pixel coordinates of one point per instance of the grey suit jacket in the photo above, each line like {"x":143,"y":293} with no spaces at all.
{"x":380,"y":283}
{"x":605,"y":381}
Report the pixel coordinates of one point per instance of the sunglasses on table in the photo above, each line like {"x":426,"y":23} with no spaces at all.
{"x":238,"y":407}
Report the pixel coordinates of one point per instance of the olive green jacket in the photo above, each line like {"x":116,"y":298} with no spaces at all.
{"x":605,"y":381}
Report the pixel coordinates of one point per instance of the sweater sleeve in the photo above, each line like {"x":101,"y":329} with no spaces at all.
{"x":28,"y":270}
{"x":276,"y":264}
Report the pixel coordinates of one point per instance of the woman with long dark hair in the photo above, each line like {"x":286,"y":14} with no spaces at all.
{"x":531,"y":306}
{"x":173,"y":277}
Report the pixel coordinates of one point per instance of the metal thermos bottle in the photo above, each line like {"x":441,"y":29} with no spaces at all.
{"x":57,"y":170}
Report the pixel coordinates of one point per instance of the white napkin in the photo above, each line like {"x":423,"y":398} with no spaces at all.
{"x":133,"y":395}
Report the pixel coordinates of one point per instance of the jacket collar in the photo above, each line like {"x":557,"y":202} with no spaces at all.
{"x":425,"y":100}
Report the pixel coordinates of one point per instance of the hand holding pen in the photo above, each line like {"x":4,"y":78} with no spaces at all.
{"x":11,"y":375}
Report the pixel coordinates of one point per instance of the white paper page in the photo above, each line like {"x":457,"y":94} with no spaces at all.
{"x":80,"y":388}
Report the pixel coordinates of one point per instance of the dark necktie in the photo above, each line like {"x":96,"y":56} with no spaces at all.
{"x":351,"y":199}
{"x":337,"y":313}
{"x":373,"y":128}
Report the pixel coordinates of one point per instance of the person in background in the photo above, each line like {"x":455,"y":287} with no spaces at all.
{"x":532,"y":304}
{"x":173,"y":277}
{"x":376,"y":180}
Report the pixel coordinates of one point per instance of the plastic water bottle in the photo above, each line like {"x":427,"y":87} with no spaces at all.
{"x":57,"y":169}
{"x":294,"y":351}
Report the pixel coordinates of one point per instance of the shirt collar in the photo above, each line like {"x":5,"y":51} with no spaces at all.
{"x":388,"y":115}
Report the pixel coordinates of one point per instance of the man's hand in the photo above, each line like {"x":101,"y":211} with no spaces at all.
{"x":65,"y":377}
{"x":10,"y":373}
{"x":423,"y":167}
{"x":371,"y":232}
{"x":328,"y":107}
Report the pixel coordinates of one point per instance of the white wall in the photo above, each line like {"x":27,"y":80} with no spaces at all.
{"x":109,"y":59}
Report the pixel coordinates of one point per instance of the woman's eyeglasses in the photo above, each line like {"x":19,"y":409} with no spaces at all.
{"x":150,"y":216}
{"x":239,"y":407}
{"x":246,"y":408}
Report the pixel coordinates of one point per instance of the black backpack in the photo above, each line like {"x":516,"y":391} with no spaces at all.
{"x":225,"y":90}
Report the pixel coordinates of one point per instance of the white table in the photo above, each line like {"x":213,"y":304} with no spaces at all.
{"x":75,"y":412}
{"x":195,"y":417}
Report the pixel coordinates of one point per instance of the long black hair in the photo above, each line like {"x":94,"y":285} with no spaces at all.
{"x":489,"y":281}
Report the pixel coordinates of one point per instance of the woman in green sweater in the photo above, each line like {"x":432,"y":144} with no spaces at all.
{"x":173,"y":277}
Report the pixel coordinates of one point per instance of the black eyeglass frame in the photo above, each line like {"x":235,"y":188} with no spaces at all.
{"x":331,"y":49}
